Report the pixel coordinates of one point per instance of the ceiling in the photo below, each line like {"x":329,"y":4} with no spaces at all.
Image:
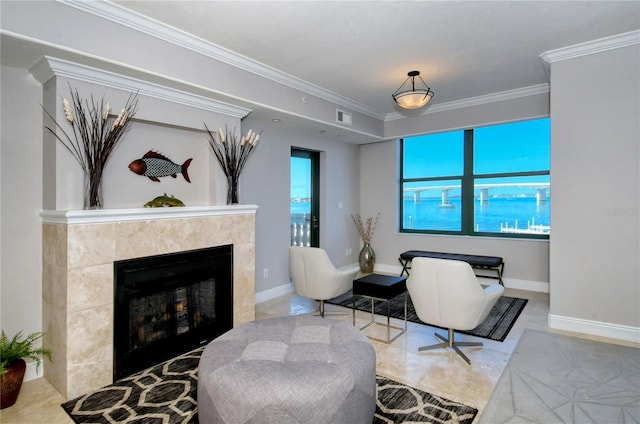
{"x":362,"y":50}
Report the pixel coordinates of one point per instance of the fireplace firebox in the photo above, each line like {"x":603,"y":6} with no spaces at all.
{"x":169,"y":304}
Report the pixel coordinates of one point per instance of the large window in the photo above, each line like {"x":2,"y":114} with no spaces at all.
{"x":486,"y":181}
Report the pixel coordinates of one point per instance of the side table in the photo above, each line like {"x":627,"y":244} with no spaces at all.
{"x":381,"y":287}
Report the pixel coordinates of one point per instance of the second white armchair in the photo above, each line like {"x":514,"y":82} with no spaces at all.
{"x":446,"y":293}
{"x":314,"y":275}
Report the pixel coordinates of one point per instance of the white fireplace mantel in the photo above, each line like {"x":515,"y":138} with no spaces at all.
{"x":98,"y":216}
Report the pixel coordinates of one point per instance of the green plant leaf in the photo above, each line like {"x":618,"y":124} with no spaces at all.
{"x":19,"y":347}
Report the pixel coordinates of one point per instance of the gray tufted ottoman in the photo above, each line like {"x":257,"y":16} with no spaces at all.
{"x":298,"y":369}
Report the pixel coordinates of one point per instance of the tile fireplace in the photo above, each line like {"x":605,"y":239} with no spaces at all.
{"x":79,"y":251}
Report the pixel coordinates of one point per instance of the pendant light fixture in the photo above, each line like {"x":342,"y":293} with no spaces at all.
{"x":408,"y":96}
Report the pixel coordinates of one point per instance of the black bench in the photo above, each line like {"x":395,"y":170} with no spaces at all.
{"x":490,"y":263}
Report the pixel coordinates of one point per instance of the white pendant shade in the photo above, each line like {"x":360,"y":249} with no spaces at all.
{"x":413,"y":97}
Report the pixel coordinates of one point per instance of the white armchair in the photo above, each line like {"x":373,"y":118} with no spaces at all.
{"x":446,"y":293}
{"x":315,"y":277}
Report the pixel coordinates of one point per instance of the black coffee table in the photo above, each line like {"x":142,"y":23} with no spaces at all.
{"x":381,"y":287}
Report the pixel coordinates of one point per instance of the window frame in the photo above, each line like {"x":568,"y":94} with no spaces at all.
{"x":467,"y":200}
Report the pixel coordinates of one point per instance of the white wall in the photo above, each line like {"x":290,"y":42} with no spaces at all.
{"x":23,"y":160}
{"x":595,"y":175}
{"x":21,"y":200}
{"x":531,"y":104}
{"x":94,"y":32}
{"x":22,"y":138}
{"x":266,"y":182}
{"x":160,"y":125}
{"x":594,"y":134}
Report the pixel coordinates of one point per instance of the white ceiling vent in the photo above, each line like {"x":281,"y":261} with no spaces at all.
{"x":343,"y":117}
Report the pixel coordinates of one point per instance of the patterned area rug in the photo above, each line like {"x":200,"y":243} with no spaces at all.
{"x":399,"y":403}
{"x":166,"y":394}
{"x":495,"y":327}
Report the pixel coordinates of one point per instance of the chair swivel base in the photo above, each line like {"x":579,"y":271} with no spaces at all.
{"x":450,"y":342}
{"x":321,"y":311}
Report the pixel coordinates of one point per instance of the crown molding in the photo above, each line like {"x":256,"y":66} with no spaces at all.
{"x":48,"y":67}
{"x":120,"y":15}
{"x":591,"y":47}
{"x":479,"y":100}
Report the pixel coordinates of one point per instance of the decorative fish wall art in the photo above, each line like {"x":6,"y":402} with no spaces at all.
{"x":154,"y":165}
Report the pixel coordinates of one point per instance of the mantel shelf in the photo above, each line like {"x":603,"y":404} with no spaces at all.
{"x":96,"y":216}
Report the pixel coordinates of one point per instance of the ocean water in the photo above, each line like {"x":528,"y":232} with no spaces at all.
{"x":489,"y":216}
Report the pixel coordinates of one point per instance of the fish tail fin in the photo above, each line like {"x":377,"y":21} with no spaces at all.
{"x":185,"y":166}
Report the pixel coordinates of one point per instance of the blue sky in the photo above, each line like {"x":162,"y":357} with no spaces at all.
{"x":515,"y":147}
{"x":504,"y":148}
{"x":300,"y":177}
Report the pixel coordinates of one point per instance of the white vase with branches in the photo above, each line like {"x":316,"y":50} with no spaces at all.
{"x":232,"y":154}
{"x":94,"y":134}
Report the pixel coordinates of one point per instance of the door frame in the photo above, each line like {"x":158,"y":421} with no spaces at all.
{"x":314,"y":156}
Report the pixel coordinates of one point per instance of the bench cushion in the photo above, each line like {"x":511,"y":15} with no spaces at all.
{"x":473,"y":260}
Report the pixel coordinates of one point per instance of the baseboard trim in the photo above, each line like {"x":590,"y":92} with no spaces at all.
{"x":278,"y":291}
{"x":387,"y":269}
{"x":287,"y":288}
{"x":511,"y":283}
{"x":528,"y":285}
{"x":31,"y":373}
{"x":595,"y":328}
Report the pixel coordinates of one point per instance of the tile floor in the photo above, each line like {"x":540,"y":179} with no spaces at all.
{"x":552,"y":378}
{"x":439,"y":372}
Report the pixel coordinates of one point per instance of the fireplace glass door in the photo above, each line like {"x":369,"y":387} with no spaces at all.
{"x":169,"y":304}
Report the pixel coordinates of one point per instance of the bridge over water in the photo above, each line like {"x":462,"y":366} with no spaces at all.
{"x":541,"y":191}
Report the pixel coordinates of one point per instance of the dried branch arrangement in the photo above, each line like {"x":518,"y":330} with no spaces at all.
{"x":232,"y":154}
{"x":366,"y":227}
{"x":95,"y":133}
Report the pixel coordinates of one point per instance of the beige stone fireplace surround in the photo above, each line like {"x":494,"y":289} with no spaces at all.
{"x":79,"y":248}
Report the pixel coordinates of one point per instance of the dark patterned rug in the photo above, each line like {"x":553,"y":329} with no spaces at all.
{"x":399,"y":403}
{"x":166,"y":394}
{"x":495,"y":327}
